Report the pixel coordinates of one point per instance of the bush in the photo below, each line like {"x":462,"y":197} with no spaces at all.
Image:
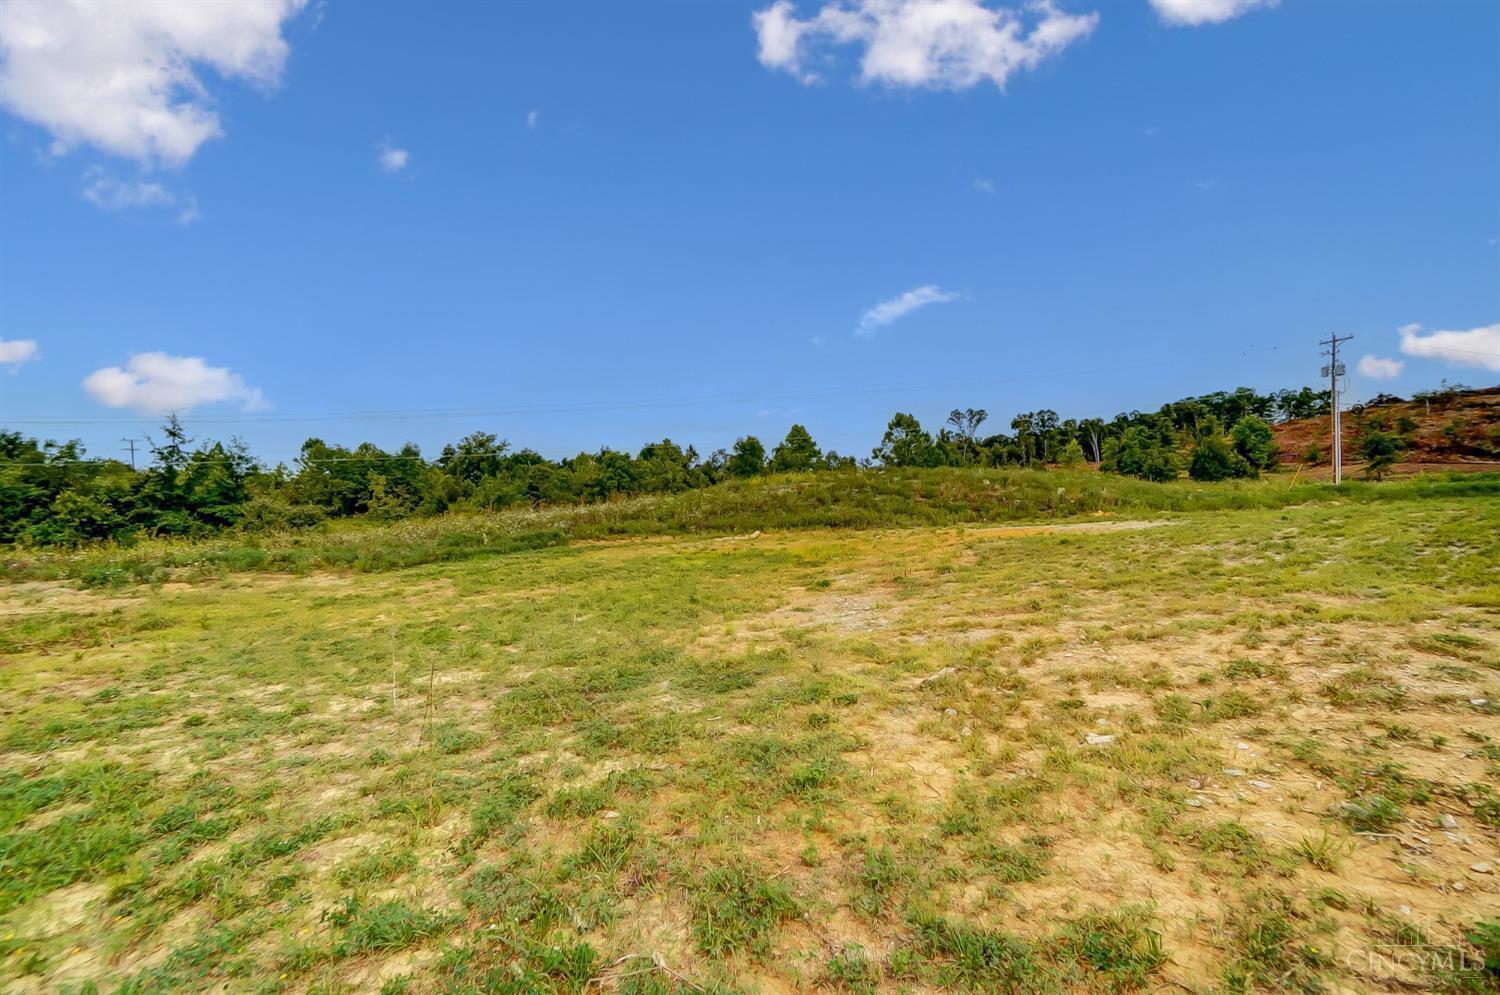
{"x":1214,"y":460}
{"x":1253,"y":442}
{"x":263,"y":514}
{"x":1137,"y":453}
{"x":1380,"y":450}
{"x":1072,"y":455}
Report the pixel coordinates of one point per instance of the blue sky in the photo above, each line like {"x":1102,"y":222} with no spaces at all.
{"x":576,"y":224}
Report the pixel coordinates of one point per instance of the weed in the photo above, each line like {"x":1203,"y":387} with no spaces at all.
{"x":392,"y":925}
{"x":965,"y":955}
{"x":1369,"y":813}
{"x":1124,"y":948}
{"x":1321,"y":851}
{"x":852,"y":969}
{"x":737,"y":910}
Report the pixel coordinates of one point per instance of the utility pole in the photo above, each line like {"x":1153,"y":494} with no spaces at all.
{"x":1333,"y":371}
{"x":131,"y":443}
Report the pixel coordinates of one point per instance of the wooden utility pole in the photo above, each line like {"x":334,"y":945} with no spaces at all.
{"x":1333,"y":371}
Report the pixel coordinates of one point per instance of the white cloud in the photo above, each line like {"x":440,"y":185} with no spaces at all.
{"x":983,"y":186}
{"x":533,"y":118}
{"x":937,"y":44}
{"x":188,"y":210}
{"x":123,"y":76}
{"x":778,"y":36}
{"x":1476,"y":347}
{"x":110,"y":194}
{"x":156,"y":383}
{"x":885,"y":312}
{"x":390,"y":158}
{"x":1380,"y":369}
{"x":1191,"y":13}
{"x":14,"y":352}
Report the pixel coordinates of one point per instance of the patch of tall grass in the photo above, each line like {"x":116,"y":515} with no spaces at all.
{"x":849,"y":499}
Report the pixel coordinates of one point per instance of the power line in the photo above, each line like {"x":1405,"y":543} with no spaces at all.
{"x":740,"y":397}
{"x":49,"y":464}
{"x":1439,"y":349}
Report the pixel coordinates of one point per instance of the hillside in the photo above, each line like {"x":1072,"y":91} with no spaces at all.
{"x":1457,"y":430}
{"x":845,"y":499}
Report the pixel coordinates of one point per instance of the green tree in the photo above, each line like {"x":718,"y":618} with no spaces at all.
{"x":1047,"y":428}
{"x":966,"y":424}
{"x":665,"y":467}
{"x":797,"y":451}
{"x":1093,"y":430}
{"x":748,"y":457}
{"x":906,"y":443}
{"x":1380,"y":450}
{"x":1024,"y":425}
{"x":1252,"y":440}
{"x":1140,"y":453}
{"x":476,"y":456}
{"x":1212,"y":460}
{"x":1072,"y":456}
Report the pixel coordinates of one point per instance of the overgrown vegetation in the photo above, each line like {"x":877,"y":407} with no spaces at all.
{"x":822,"y":500}
{"x":51,"y":494}
{"x":1216,"y":753}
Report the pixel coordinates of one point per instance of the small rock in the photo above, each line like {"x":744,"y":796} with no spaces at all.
{"x":1234,"y":772}
{"x":1195,"y":803}
{"x":1479,"y":701}
{"x":611,"y":814}
{"x":1483,"y":867}
{"x":1194,"y":783}
{"x":1457,"y":886}
{"x":952,"y":713}
{"x":1096,"y":739}
{"x":1447,"y":821}
{"x":934,"y":678}
{"x":1242,"y":746}
{"x":1262,"y":785}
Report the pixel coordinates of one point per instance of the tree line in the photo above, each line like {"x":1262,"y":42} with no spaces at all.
{"x":51,"y":494}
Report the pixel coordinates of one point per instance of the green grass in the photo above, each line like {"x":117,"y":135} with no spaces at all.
{"x":737,"y":909}
{"x":691,"y":764}
{"x":826,"y":500}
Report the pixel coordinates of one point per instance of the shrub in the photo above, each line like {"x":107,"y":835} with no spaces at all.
{"x":1253,"y":442}
{"x":1380,"y":450}
{"x":1212,"y":460}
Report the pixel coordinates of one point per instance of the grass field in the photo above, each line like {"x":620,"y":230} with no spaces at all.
{"x":1234,"y":742}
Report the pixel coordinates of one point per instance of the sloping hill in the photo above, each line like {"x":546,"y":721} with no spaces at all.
{"x":1452,"y":430}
